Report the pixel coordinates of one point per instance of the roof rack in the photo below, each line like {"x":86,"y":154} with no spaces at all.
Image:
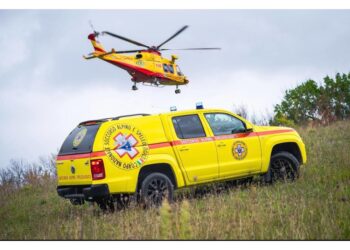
{"x":91,"y":122}
{"x":122,"y":116}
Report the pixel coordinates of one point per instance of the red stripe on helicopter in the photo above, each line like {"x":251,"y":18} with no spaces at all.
{"x":141,"y":70}
{"x":98,"y":49}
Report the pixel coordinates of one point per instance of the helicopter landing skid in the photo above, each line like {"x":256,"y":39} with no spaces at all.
{"x":156,"y":85}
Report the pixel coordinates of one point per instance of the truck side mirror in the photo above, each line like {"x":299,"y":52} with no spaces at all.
{"x":249,"y":127}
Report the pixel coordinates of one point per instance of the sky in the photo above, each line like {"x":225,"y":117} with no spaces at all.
{"x":47,"y":88}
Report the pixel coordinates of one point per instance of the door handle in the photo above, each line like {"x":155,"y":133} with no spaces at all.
{"x":221,"y":144}
{"x":184,"y":149}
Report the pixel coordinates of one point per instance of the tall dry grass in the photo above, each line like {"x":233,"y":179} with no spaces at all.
{"x":316,"y":206}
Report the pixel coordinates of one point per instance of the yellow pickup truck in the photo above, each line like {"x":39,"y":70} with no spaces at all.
{"x":152,"y":155}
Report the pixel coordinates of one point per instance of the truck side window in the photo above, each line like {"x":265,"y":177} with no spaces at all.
{"x":188,"y":126}
{"x":224,"y":124}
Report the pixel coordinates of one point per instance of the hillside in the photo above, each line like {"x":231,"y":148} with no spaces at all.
{"x":316,"y":206}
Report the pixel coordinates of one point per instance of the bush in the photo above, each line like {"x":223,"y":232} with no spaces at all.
{"x":315,"y":103}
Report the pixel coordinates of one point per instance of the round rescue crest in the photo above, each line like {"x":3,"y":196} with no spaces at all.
{"x":125,"y":146}
{"x":239,"y":150}
{"x":79,"y":137}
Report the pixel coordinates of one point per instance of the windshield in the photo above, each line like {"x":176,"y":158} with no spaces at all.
{"x":178,"y":70}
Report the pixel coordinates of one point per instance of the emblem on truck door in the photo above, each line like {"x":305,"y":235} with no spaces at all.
{"x":239,"y":150}
{"x":125,"y":146}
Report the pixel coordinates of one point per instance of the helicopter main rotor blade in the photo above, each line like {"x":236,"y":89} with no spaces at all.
{"x":125,"y":39}
{"x":173,"y":36}
{"x":194,"y":49}
{"x":127,"y":51}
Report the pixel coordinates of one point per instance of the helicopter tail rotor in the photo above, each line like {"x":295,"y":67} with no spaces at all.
{"x":96,"y":33}
{"x":96,"y":44}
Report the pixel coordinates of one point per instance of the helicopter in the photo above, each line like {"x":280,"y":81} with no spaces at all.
{"x":146,"y":65}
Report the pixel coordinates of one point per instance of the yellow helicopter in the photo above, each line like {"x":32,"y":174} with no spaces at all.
{"x":147,"y":66}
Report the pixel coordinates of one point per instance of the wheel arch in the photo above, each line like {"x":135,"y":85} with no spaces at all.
{"x":274,"y":144}
{"x":290,"y":147}
{"x":163,"y":168}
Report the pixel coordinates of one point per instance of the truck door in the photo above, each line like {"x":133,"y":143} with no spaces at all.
{"x":196,"y":151}
{"x":239,"y":151}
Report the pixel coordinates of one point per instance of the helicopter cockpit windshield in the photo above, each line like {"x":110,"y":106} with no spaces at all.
{"x":178,"y":70}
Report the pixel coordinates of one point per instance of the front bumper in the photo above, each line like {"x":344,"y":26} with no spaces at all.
{"x":89,"y":193}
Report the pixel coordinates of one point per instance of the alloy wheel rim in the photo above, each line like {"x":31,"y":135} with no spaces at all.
{"x":282,"y":169}
{"x":157,"y":190}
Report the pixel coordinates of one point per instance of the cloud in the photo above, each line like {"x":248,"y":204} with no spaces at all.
{"x":46,"y":88}
{"x":15,"y":35}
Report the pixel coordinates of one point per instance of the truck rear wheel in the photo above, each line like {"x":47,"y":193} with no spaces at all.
{"x":283,"y":166}
{"x":155,"y":188}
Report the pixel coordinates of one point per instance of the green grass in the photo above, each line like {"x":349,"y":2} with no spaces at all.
{"x":316,"y":206}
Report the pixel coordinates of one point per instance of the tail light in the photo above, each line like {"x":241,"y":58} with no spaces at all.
{"x":97,"y":169}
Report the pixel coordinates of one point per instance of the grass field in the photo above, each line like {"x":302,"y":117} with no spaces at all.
{"x":316,"y":206}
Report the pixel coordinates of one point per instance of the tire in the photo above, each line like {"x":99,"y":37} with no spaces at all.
{"x":283,"y":167}
{"x":155,"y":188}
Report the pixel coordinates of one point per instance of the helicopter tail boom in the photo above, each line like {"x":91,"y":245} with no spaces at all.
{"x":99,"y":54}
{"x":96,"y":44}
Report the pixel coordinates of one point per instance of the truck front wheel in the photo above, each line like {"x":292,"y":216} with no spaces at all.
{"x":283,"y":166}
{"x":155,"y":188}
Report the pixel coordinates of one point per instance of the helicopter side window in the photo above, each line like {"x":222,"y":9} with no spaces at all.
{"x":138,"y":56}
{"x":178,"y":71}
{"x":165,"y":67}
{"x":171,"y":69}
